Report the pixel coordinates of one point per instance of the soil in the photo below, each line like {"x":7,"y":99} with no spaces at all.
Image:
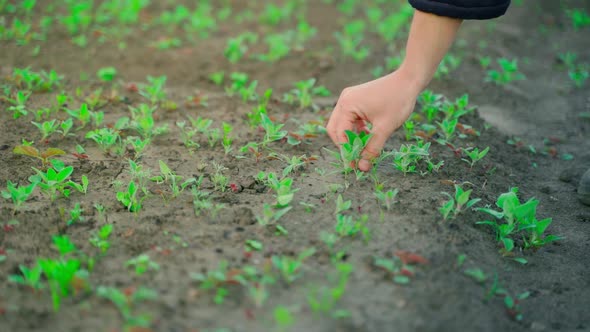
{"x":440,"y":297}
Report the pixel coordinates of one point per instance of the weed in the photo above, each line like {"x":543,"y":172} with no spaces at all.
{"x":351,"y":151}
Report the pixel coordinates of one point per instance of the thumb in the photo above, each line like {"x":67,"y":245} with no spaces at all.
{"x":373,"y":149}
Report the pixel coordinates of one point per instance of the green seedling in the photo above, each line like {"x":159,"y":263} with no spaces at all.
{"x":579,"y":18}
{"x":272,"y":131}
{"x":518,"y":218}
{"x":217,"y":78}
{"x":142,"y":264}
{"x":283,"y":189}
{"x":241,"y":85}
{"x":54,"y":181}
{"x":227,"y":139}
{"x":126,"y":304}
{"x":508,"y":72}
{"x":130,"y":198}
{"x":18,"y":194}
{"x":176,"y":183}
{"x":202,"y":202}
{"x":397,"y":270}
{"x":75,"y":215}
{"x":65,"y":127}
{"x":45,"y":156}
{"x":283,"y":317}
{"x":107,"y":139}
{"x":348,"y":226}
{"x":475,"y":155}
{"x":30,"y":277}
{"x":62,"y":275}
{"x":386,"y":198}
{"x":324,"y":299}
{"x":254,"y":245}
{"x":458,"y":203}
{"x":82,"y":114}
{"x":107,"y":74}
{"x":351,"y":151}
{"x":154,"y":90}
{"x":33,"y":81}
{"x":342,"y":205}
{"x":19,"y":104}
{"x":255,"y":116}
{"x":100,"y":240}
{"x":237,"y":47}
{"x":215,"y":279}
{"x":271,"y":214}
{"x":289,"y":267}
{"x":408,"y":158}
{"x":350,"y":40}
{"x":187,"y":134}
{"x":46,"y":128}
{"x":304,"y":92}
{"x":220,"y":181}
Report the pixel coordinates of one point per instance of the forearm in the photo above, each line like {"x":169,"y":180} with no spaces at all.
{"x":430,"y":38}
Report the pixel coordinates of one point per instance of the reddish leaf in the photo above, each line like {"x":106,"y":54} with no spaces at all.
{"x":410,"y":258}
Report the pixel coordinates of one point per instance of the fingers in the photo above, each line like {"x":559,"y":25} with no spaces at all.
{"x":339,"y":122}
{"x":373,"y":149}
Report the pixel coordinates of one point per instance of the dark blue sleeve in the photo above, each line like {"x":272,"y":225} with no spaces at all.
{"x":463,"y":9}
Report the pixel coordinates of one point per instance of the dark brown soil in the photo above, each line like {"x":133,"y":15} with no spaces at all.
{"x":439,"y":298}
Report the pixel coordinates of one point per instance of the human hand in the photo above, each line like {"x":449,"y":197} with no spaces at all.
{"x":385,"y":103}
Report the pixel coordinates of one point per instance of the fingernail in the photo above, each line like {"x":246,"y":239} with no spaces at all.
{"x":364,"y":165}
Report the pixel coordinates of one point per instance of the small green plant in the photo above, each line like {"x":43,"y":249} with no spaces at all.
{"x":271,"y":214}
{"x":474,"y":155}
{"x":346,"y":225}
{"x":108,"y":140}
{"x":55,"y":180}
{"x":227,"y":139}
{"x":342,"y":205}
{"x":220,"y":181}
{"x":126,"y":304}
{"x":272,"y":131}
{"x":19,"y":104}
{"x":75,"y":215}
{"x":216,"y":280}
{"x":507,"y":73}
{"x":30,"y":277}
{"x":290,"y":267}
{"x":386,"y":198}
{"x":351,"y":39}
{"x":304,"y":92}
{"x":518,"y":218}
{"x":202,"y":202}
{"x":237,"y":47}
{"x":142,"y":264}
{"x":131,"y":197}
{"x":100,"y":240}
{"x":154,"y":90}
{"x":283,"y":188}
{"x":18,"y":194}
{"x":107,"y":74}
{"x":176,"y":183}
{"x":324,"y":299}
{"x":409,"y":157}
{"x":457,"y":203}
{"x":579,"y":18}
{"x":351,"y":151}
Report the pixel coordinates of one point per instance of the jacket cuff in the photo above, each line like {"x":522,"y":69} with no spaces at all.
{"x":462,"y":9}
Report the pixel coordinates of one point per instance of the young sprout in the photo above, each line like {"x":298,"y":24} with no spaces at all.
{"x":272,"y":131}
{"x":386,"y":198}
{"x":45,"y":156}
{"x":142,"y":264}
{"x":458,"y":203}
{"x":350,"y":152}
{"x":342,"y":205}
{"x":126,"y":304}
{"x":18,"y":194}
{"x":100,"y":240}
{"x":475,"y":155}
{"x":19,"y":107}
{"x":304,"y":92}
{"x":290,"y":268}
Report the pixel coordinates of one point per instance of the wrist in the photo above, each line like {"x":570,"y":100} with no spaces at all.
{"x":414,"y":80}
